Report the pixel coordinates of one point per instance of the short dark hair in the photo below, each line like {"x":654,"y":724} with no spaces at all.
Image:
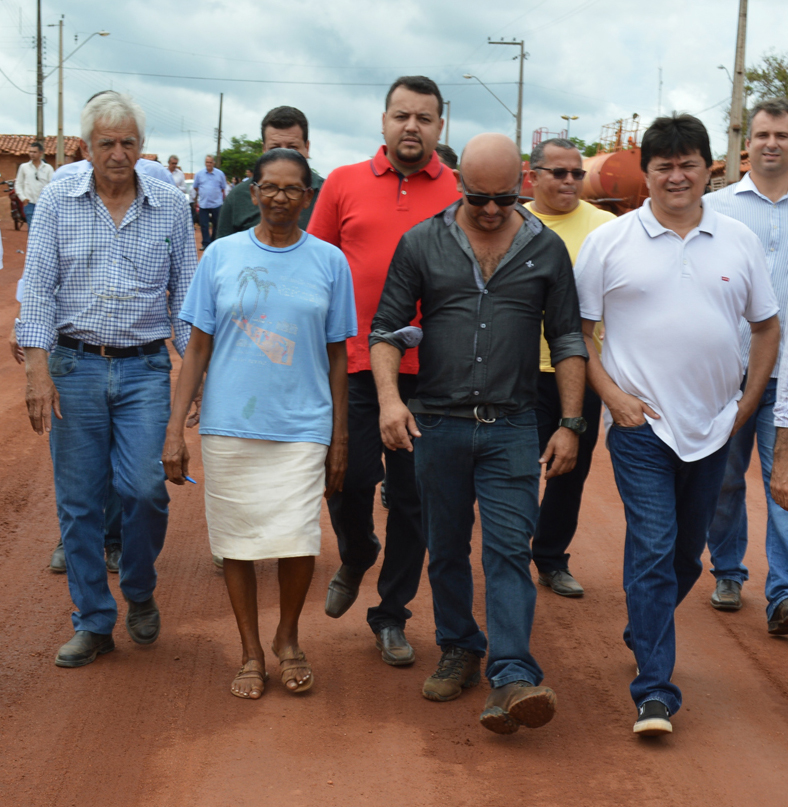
{"x":447,"y":155}
{"x":674,"y":135}
{"x":420,"y":84}
{"x":774,"y":107}
{"x":283,"y":117}
{"x":537,"y":155}
{"x":36,"y":145}
{"x":291,"y":155}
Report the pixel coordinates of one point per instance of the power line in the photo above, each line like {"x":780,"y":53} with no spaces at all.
{"x":8,"y":79}
{"x":263,"y":80}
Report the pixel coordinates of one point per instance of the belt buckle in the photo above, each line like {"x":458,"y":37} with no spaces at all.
{"x":101,"y":352}
{"x":479,"y":419}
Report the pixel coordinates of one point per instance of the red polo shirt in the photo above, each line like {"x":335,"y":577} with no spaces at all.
{"x":364,"y":209}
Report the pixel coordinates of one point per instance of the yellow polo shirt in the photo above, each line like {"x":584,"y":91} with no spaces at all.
{"x":573,"y":228}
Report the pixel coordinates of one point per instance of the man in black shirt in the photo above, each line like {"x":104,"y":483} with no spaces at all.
{"x":486,"y":274}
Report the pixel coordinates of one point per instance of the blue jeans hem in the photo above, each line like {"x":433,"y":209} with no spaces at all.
{"x":502,"y":681}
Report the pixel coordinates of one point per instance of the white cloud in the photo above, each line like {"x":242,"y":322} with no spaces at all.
{"x":597,"y":59}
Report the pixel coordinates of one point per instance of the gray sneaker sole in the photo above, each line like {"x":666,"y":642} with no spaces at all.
{"x":654,"y":727}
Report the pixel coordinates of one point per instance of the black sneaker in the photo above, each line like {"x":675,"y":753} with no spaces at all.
{"x":653,"y":719}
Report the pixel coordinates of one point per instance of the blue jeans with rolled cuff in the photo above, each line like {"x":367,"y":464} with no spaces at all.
{"x":115,"y":413}
{"x":728,"y":532}
{"x":460,"y":461}
{"x":669,"y":505}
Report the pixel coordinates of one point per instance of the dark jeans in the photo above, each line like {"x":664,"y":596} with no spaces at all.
{"x":560,"y":507}
{"x":351,"y":509}
{"x":669,"y":505}
{"x":208,"y":214}
{"x":460,"y":460}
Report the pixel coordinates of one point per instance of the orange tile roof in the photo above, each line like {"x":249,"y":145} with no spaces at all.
{"x":19,"y":145}
{"x":718,"y":166}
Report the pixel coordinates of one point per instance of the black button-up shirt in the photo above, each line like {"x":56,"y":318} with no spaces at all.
{"x":480,"y":340}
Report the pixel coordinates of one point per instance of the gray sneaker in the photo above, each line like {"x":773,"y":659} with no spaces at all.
{"x":458,"y":669}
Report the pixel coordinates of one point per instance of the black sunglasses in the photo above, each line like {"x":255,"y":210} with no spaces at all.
{"x":560,"y":173}
{"x":482,"y":199}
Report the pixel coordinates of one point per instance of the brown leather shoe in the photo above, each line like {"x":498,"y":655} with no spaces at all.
{"x":518,"y":704}
{"x":562,"y":583}
{"x":394,"y":648}
{"x":343,"y":590}
{"x":778,"y":624}
{"x":458,"y":669}
{"x":57,"y":564}
{"x":726,"y":596}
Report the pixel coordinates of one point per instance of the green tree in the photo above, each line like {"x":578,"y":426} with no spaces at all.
{"x":241,"y":154}
{"x":770,"y":78}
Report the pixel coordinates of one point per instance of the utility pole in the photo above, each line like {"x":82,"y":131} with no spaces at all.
{"x":519,"y":117}
{"x":448,"y":119}
{"x":733,"y":163}
{"x":219,"y":133}
{"x":39,"y":80}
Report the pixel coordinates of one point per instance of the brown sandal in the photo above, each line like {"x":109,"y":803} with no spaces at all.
{"x":252,"y":669}
{"x":291,"y":660}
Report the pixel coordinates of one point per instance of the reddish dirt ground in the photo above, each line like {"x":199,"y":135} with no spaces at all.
{"x":157,"y":727}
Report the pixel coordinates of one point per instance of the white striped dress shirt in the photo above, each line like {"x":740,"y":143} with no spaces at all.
{"x":769,"y":221}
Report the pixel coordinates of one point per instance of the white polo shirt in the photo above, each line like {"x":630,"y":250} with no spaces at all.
{"x":672,"y":308}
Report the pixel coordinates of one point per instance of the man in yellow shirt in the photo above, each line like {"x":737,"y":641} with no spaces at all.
{"x":557,"y":178}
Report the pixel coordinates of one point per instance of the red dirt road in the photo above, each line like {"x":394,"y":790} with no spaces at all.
{"x":157,"y":727}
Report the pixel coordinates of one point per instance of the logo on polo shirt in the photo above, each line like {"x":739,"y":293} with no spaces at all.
{"x":529,"y":264}
{"x":726,"y":279}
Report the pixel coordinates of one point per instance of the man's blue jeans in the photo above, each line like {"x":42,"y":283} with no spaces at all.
{"x":30,"y":210}
{"x":115,"y":413}
{"x":459,"y":460}
{"x":728,"y":533}
{"x":669,"y":505}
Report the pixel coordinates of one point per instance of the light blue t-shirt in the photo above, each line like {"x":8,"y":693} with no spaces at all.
{"x":271,"y":312}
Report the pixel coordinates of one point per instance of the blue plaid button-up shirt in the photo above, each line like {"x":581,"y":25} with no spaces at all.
{"x":107,"y":285}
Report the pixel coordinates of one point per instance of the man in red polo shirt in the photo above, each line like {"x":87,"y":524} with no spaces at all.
{"x":364,"y":209}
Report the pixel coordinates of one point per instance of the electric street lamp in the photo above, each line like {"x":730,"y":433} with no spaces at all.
{"x":60,"y":157}
{"x":513,"y":114}
{"x":568,"y":119}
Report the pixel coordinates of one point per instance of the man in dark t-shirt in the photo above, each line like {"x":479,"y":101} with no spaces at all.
{"x":283,"y":127}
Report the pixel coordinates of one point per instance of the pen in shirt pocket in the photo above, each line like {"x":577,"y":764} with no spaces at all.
{"x":169,"y":244}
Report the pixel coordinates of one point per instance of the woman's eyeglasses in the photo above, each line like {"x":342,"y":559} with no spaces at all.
{"x":292,"y":192}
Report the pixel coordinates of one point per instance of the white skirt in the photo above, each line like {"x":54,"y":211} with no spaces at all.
{"x":262,"y":498}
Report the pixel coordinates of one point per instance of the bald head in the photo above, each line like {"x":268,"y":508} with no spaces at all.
{"x":491,"y":158}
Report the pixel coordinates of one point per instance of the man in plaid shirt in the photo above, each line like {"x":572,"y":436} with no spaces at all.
{"x":107,"y":269}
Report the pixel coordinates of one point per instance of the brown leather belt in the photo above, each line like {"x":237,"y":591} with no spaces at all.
{"x":111,"y":352}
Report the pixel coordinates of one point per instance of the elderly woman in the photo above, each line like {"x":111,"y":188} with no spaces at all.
{"x":270,"y":308}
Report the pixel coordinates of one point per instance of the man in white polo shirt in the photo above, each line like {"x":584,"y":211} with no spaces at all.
{"x":672,"y":280}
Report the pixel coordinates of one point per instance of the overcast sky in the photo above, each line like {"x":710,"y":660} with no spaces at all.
{"x":598,"y":59}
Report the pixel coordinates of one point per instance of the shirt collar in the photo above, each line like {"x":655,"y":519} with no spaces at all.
{"x":746,"y":184}
{"x":708,"y":222}
{"x":380,"y":164}
{"x":87,"y":184}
